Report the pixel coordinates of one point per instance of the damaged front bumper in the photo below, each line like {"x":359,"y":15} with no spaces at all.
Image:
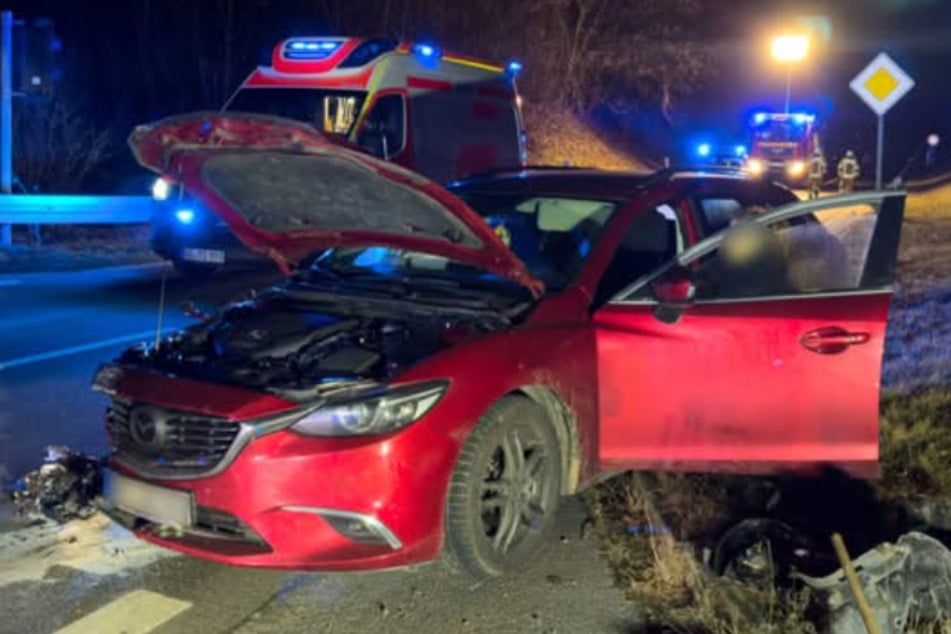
{"x":302,"y":503}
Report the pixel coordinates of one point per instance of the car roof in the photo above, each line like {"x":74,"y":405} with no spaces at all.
{"x":580,"y":181}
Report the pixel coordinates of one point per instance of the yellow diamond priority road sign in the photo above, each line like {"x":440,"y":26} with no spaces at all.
{"x":882,"y":84}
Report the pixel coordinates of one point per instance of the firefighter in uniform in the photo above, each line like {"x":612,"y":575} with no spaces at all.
{"x":848,"y":171}
{"x":817,"y":172}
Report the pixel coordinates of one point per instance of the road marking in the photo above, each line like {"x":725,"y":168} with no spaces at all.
{"x":137,"y":612}
{"x":86,"y":347}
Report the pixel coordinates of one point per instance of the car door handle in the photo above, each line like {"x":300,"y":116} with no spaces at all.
{"x":832,"y":340}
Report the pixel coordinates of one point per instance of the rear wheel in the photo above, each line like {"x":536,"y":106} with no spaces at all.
{"x":505,"y":490}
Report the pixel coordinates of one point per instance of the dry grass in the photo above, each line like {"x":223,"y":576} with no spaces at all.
{"x":663,"y":571}
{"x":930,"y":205}
{"x":665,"y":574}
{"x":558,"y":136}
{"x":72,"y":247}
{"x":916,"y":445}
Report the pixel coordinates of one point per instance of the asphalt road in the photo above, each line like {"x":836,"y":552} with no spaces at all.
{"x":55,"y":328}
{"x":92,"y":576}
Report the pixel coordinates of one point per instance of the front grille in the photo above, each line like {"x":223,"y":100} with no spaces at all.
{"x":221,"y":525}
{"x":163,"y":442}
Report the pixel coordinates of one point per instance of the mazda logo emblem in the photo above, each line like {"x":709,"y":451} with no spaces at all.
{"x":147,"y":428}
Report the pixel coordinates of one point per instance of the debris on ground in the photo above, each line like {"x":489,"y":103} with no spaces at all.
{"x":905,"y":583}
{"x":63,"y":488}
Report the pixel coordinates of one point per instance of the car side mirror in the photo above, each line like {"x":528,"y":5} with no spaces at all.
{"x":674,"y":291}
{"x":674,"y":288}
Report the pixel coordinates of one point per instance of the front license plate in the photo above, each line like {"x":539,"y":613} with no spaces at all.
{"x":208,"y":256}
{"x":158,"y":504}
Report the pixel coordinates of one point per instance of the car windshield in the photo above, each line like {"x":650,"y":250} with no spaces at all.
{"x":552,"y":235}
{"x":328,"y":110}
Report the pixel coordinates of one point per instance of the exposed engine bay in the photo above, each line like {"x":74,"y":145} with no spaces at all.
{"x":295,"y":343}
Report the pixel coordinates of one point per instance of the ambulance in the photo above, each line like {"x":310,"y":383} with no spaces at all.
{"x":438,"y":113}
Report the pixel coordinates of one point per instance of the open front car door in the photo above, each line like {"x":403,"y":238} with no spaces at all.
{"x":759,"y":349}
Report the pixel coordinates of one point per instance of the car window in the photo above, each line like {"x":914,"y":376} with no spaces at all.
{"x":552,"y":235}
{"x":384,"y":131}
{"x":717,"y":209}
{"x":818,"y":253}
{"x":718,"y":213}
{"x":652,"y":239}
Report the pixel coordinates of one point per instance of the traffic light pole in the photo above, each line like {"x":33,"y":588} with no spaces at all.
{"x":6,"y":115}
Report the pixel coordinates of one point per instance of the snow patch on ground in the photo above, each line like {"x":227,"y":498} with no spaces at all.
{"x":97,"y":546}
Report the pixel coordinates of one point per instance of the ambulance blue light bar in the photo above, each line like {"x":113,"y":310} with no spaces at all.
{"x":311,"y":49}
{"x":427,"y":51}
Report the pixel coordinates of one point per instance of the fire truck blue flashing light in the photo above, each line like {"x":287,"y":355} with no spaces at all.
{"x":514,"y":68}
{"x":740,"y":150}
{"x":759,"y":117}
{"x":703,"y":149}
{"x":185,"y":216}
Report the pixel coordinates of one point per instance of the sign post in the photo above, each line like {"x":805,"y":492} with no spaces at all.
{"x":880,"y":85}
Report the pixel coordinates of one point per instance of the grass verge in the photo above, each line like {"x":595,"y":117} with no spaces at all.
{"x":661,"y":569}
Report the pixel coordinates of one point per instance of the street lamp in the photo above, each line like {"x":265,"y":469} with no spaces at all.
{"x":789,"y":49}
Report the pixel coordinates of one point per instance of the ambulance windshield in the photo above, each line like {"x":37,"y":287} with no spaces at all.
{"x":327,"y":110}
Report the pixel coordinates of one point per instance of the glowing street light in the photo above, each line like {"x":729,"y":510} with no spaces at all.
{"x":789,"y":49}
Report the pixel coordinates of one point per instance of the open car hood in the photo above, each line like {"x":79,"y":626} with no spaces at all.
{"x":288,"y":191}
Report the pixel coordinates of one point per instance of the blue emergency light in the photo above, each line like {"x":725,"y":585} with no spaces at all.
{"x":427,"y":51}
{"x":759,"y":117}
{"x":514,"y":68}
{"x":741,"y":150}
{"x":703,"y":149}
{"x":185,"y":216}
{"x":310,"y":49}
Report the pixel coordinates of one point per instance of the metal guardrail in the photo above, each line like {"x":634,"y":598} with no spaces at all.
{"x":64,"y":209}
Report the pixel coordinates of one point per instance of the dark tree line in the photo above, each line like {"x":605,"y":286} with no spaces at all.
{"x":135,"y":60}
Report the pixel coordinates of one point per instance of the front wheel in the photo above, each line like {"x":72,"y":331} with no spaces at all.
{"x":505,"y":490}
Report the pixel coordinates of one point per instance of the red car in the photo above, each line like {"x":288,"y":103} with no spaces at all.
{"x":443,"y":364}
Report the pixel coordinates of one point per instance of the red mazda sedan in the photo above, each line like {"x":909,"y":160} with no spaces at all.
{"x":442,"y":365}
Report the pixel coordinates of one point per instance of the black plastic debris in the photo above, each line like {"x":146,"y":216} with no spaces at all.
{"x":63,"y":489}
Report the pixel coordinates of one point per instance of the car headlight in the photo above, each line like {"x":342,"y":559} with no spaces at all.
{"x":372,"y":414}
{"x":755,"y":167}
{"x":161,"y":189}
{"x":106,"y":378}
{"x":796,"y":168}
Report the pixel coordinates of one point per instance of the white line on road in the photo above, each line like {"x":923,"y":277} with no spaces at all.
{"x":136,"y":612}
{"x":86,"y":347}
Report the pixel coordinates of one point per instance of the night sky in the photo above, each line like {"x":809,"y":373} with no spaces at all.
{"x":105,"y":57}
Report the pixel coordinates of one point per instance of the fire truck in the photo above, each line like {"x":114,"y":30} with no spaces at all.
{"x":438,"y":113}
{"x":781,"y":144}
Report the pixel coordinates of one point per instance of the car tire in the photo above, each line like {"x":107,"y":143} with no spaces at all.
{"x":504,"y":492}
{"x":195,"y":270}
